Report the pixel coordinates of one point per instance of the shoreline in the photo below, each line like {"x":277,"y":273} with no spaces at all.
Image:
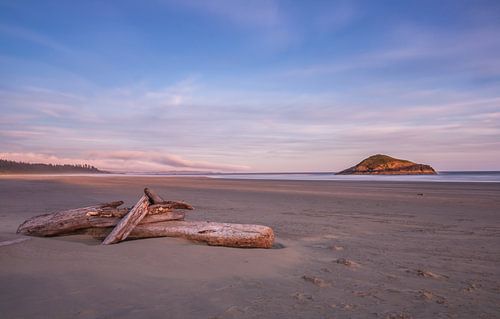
{"x":443,"y":177}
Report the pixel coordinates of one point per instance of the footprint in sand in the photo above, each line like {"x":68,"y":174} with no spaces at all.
{"x":348,"y":307}
{"x":343,"y":306}
{"x":317,"y":281}
{"x":471,"y":287}
{"x":427,"y":295}
{"x":428,"y":274}
{"x":302,"y":297}
{"x":235,"y":310}
{"x":398,"y":315}
{"x":347,"y":262}
{"x":327,"y":246}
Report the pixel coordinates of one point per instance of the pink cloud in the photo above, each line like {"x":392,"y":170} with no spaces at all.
{"x":126,"y":161}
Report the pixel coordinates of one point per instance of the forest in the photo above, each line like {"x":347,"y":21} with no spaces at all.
{"x":13,"y":167}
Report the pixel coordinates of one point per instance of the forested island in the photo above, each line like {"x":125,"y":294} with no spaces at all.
{"x":13,"y":167}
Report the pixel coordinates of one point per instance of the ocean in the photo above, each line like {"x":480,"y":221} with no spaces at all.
{"x":467,"y":176}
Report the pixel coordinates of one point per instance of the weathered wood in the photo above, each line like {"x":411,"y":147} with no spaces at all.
{"x":104,"y":215}
{"x":214,"y":234}
{"x":156,"y":199}
{"x":127,"y":223}
{"x":153,"y":197}
{"x":69,"y":220}
{"x":170,"y":205}
{"x":162,"y":217}
{"x":114,"y":204}
{"x":150,"y":217}
{"x":102,"y":222}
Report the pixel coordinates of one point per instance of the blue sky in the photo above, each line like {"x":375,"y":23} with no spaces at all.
{"x":250,"y":85}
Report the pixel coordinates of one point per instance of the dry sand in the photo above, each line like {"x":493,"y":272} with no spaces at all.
{"x":351,"y":250}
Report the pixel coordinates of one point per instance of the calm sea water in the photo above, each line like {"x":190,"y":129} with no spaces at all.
{"x":482,"y":177}
{"x":491,"y":177}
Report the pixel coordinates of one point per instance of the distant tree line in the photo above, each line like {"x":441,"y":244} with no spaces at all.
{"x":13,"y":167}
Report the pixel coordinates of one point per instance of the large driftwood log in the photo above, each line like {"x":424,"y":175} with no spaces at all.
{"x":69,"y":220}
{"x":214,"y":234}
{"x":150,"y":217}
{"x":104,"y":215}
{"x":127,"y":223}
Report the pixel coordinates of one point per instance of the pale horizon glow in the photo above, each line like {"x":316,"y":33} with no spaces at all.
{"x":229,"y":86}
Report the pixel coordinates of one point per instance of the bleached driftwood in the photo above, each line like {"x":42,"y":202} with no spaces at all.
{"x":214,"y":234}
{"x":69,"y":220}
{"x":103,"y":215}
{"x":137,"y":214}
{"x":152,"y":216}
{"x":127,"y":223}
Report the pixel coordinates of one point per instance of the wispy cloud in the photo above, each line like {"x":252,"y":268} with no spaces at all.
{"x":33,"y":37}
{"x":268,"y":22}
{"x":276,"y":85}
{"x":336,"y":15}
{"x":126,"y":161}
{"x":266,"y":13}
{"x":473,"y":52}
{"x":174,"y":95}
{"x":261,"y":130}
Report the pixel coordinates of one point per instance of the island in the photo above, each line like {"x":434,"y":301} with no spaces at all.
{"x":386,"y":165}
{"x":13,"y":167}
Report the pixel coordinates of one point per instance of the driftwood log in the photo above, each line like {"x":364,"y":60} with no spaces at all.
{"x":155,"y":199}
{"x":152,"y":216}
{"x":103,"y":215}
{"x":127,"y":223}
{"x":214,"y":234}
{"x":69,"y":220}
{"x":137,"y":214}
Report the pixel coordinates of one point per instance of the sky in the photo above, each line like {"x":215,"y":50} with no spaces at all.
{"x":250,"y":86}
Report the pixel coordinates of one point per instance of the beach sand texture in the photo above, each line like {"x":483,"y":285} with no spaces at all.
{"x":343,"y":250}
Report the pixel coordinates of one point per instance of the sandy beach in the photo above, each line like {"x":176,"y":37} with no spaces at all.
{"x":343,"y":250}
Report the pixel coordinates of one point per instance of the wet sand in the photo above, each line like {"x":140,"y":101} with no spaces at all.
{"x":344,"y":250}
